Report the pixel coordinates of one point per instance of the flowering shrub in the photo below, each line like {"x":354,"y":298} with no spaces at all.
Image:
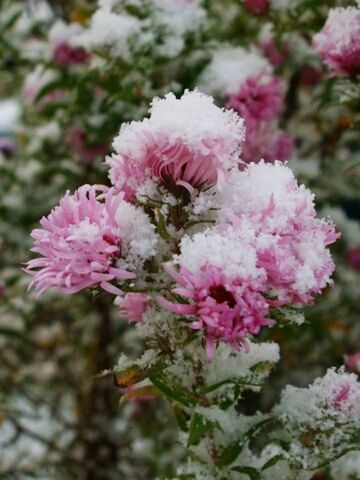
{"x":203,"y":153}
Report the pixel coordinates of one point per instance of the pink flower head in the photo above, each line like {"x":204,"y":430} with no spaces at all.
{"x":268,"y":144}
{"x":353,"y":362}
{"x":133,"y":306}
{"x":257,"y":6}
{"x":66,"y":55}
{"x":259,"y":99}
{"x":342,"y":395}
{"x":227,"y":310}
{"x":83,"y":150}
{"x":62,"y":37}
{"x":338,"y":43}
{"x":290,"y":242}
{"x":186,"y":142}
{"x":79,"y":243}
{"x":35,"y":82}
{"x":276,"y":54}
{"x":353,"y":258}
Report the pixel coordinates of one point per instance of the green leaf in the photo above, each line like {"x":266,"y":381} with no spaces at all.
{"x":49,"y":88}
{"x":198,"y":427}
{"x":272,"y":461}
{"x":251,"y":472}
{"x":161,"y":225}
{"x":231,"y":452}
{"x":172,"y":390}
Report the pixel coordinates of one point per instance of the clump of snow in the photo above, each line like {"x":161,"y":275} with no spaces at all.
{"x":232,"y":252}
{"x":229,"y":68}
{"x":138,"y":235}
{"x":110,"y":30}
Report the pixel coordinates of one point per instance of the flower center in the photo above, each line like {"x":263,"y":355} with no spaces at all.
{"x":221,"y":295}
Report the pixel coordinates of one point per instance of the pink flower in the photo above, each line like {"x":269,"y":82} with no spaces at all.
{"x":268,"y":144}
{"x":342,"y":396}
{"x":338,"y":43}
{"x":277,"y":54}
{"x":133,"y":306}
{"x":353,"y":258}
{"x":259,"y":99}
{"x":86,"y":152}
{"x":66,"y":55}
{"x":79,"y":243}
{"x":227,"y":310}
{"x":186,"y":142}
{"x":257,"y":6}
{"x":353,"y":362}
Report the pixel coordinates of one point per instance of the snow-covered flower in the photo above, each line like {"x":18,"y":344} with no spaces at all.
{"x":175,"y":19}
{"x":219,"y":276}
{"x":338,"y":43}
{"x":112,"y":31}
{"x":186,"y":142}
{"x":291,"y":243}
{"x":82,"y":241}
{"x":331,"y":401}
{"x":230,"y":68}
{"x":62,"y":38}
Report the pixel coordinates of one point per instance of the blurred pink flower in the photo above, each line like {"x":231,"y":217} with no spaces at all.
{"x":353,"y":362}
{"x":133,"y":306}
{"x":338,"y":43}
{"x":268,"y":144}
{"x":277,"y":54}
{"x":259,"y":99}
{"x":353,"y":258}
{"x":66,"y":55}
{"x":83,"y":150}
{"x":257,"y":6}
{"x":79,"y":243}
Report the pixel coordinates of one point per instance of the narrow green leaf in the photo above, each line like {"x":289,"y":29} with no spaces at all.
{"x":172,"y":390}
{"x":161,"y":225}
{"x":272,"y":461}
{"x":251,"y":472}
{"x":198,"y":427}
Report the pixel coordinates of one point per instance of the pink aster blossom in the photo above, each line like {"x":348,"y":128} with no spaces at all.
{"x":268,"y":144}
{"x":227,"y":310}
{"x":66,"y":55}
{"x":276,"y":54}
{"x":79,"y":243}
{"x":133,"y":306}
{"x":257,"y":6}
{"x":343,"y":395}
{"x":187,"y":142}
{"x":353,"y":258}
{"x":82,"y":149}
{"x":353,"y":362}
{"x":338,"y":43}
{"x":259,"y":99}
